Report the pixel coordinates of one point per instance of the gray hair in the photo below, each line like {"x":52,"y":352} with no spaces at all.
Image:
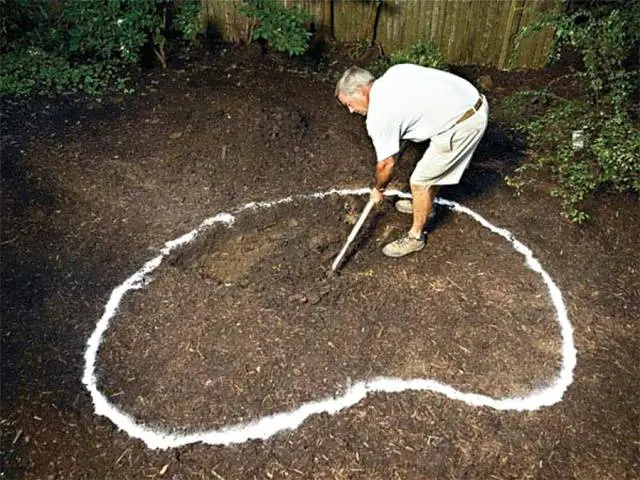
{"x":353,"y":78}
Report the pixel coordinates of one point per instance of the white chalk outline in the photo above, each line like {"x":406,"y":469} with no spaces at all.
{"x":267,"y":426}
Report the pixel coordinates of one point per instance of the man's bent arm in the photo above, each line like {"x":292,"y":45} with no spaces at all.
{"x":384,"y":172}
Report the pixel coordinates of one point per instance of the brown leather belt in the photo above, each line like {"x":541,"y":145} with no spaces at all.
{"x":470,"y":112}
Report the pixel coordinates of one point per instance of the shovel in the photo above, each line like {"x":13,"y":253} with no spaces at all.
{"x":352,"y":235}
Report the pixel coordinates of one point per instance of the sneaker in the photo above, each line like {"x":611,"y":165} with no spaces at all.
{"x":404,"y":246}
{"x":405,"y":205}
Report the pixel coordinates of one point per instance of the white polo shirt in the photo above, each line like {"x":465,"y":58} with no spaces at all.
{"x":410,"y":102}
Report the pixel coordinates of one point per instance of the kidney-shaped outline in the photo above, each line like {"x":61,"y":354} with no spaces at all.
{"x":265,"y":427}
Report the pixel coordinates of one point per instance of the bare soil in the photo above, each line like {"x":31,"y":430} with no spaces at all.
{"x":247,"y":320}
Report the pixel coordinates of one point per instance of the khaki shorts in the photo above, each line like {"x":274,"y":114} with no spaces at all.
{"x":450,"y":152}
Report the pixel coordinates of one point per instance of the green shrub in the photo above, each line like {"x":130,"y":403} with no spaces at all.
{"x":617,"y":150}
{"x":188,"y":20}
{"x":423,"y":53}
{"x":605,"y":110}
{"x":31,"y":69}
{"x":83,"y":45}
{"x":610,"y":156}
{"x":283,"y":28}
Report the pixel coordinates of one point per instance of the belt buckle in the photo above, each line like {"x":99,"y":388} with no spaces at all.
{"x":471,"y":111}
{"x":466,"y":115}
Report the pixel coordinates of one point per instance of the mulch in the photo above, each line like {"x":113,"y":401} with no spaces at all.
{"x":248,"y":320}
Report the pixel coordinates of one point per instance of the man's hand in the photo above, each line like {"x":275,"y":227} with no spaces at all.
{"x":377,"y":196}
{"x":384,"y":172}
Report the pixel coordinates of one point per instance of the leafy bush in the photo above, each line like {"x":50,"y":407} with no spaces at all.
{"x":610,"y":155}
{"x":32,"y":69}
{"x":423,"y":53}
{"x":188,"y":20}
{"x":283,"y":28}
{"x":82,"y":45}
{"x":605,"y":112}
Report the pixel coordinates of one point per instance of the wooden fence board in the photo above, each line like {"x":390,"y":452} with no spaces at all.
{"x":484,"y":17}
{"x":466,"y":31}
{"x":466,"y":36}
{"x":491,"y":33}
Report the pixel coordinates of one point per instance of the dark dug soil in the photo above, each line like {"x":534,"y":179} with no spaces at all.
{"x":246,"y":321}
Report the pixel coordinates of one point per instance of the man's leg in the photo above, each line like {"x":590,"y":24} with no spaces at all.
{"x":444,"y":162}
{"x":423,"y":197}
{"x":414,"y":240}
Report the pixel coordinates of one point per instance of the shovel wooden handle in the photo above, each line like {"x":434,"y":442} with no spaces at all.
{"x":352,"y":235}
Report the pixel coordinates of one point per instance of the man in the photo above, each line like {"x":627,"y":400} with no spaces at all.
{"x":416,"y":103}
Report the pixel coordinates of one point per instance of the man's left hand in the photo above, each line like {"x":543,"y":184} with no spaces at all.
{"x":377,"y":196}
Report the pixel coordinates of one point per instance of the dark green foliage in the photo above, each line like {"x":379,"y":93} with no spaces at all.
{"x":83,"y":45}
{"x":605,"y":111}
{"x":283,"y":28}
{"x":188,"y":20}
{"x":423,"y":53}
{"x":33,"y":69}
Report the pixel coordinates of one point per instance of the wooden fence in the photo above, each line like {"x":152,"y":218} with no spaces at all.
{"x":478,"y":32}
